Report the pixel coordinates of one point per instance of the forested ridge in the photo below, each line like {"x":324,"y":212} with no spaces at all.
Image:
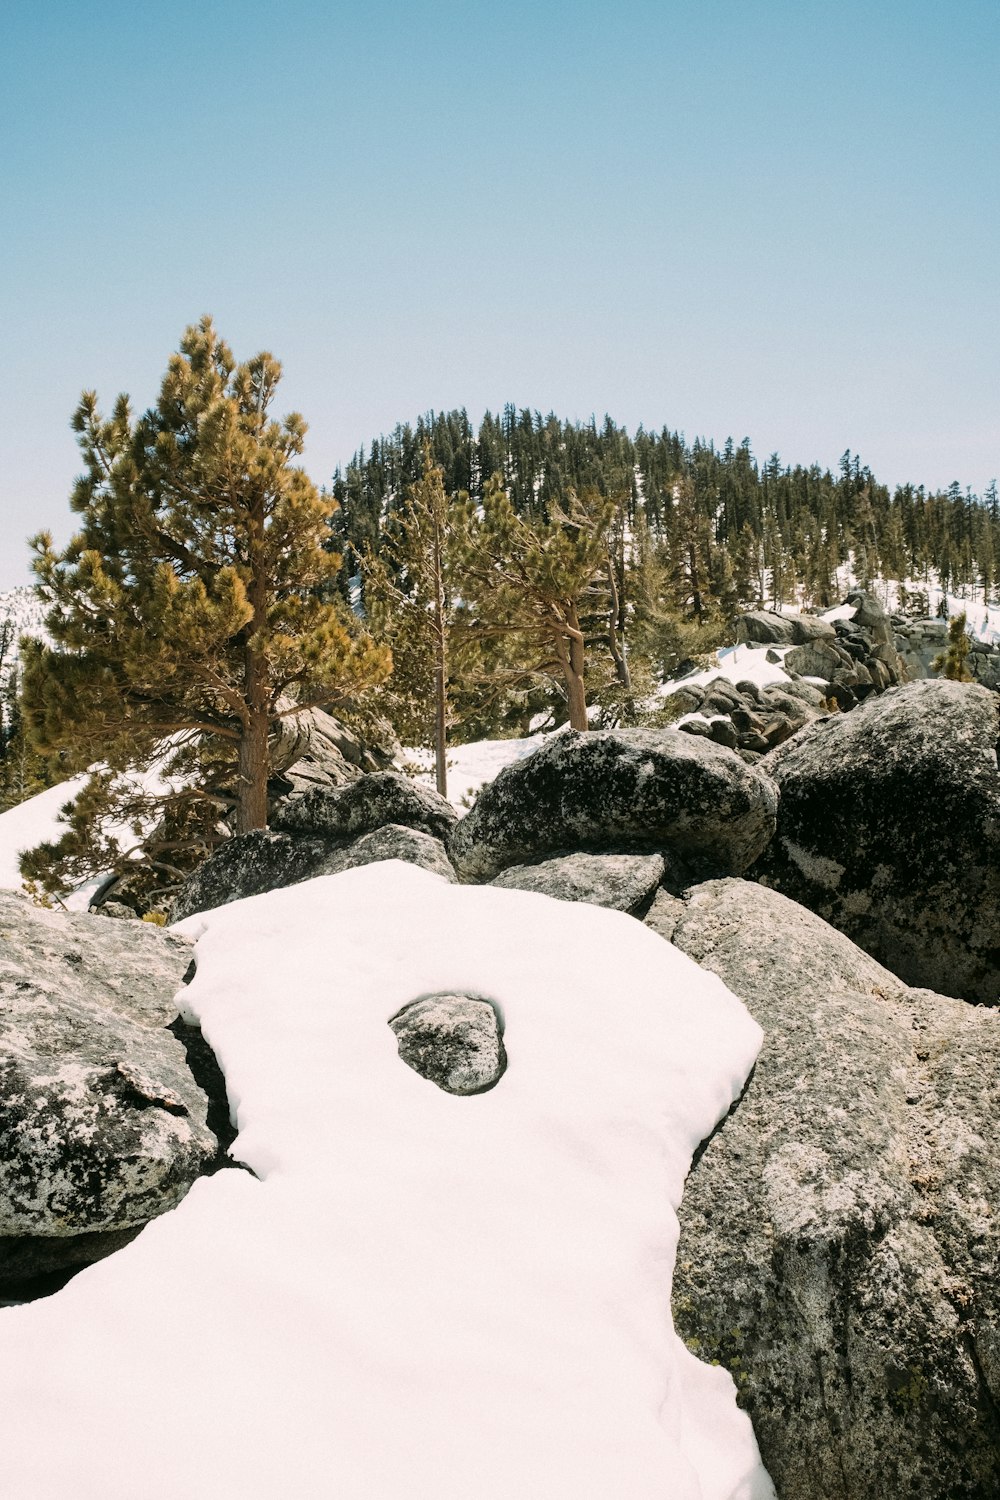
{"x":782,"y":526}
{"x":530,"y":572}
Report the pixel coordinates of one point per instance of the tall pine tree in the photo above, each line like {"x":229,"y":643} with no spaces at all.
{"x":407,"y":595}
{"x":526,"y":581}
{"x":193,"y":610}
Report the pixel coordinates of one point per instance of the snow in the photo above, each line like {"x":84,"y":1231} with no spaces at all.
{"x":26,"y":612}
{"x":31,"y":823}
{"x":743,"y":663}
{"x":417,"y":1295}
{"x":471,"y":766}
{"x":37,"y":820}
{"x":839,"y":612}
{"x":982,"y":621}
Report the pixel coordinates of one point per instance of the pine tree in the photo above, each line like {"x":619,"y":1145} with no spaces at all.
{"x":524,"y":581}
{"x":407,"y":597}
{"x":193,"y":610}
{"x":23,"y":771}
{"x":951,"y":663}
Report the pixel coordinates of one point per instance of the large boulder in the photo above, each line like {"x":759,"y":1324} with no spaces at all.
{"x":411,"y":845}
{"x":819,"y":659}
{"x":623,"y":882}
{"x":889,"y":827}
{"x":839,"y":1231}
{"x":248,"y":865}
{"x":763,"y":627}
{"x":622,"y":791}
{"x":266,"y":860}
{"x":985,"y":667}
{"x":370,"y":802}
{"x":102,"y":1125}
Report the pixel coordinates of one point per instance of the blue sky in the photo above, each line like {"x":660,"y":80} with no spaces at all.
{"x":777,"y":220}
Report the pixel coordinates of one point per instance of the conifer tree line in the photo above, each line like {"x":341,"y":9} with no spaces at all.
{"x":780,"y":525}
{"x":461,"y":584}
{"x":671,"y":540}
{"x":24,"y":771}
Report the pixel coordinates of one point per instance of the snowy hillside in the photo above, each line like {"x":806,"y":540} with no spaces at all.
{"x":26,"y":613}
{"x":409,"y":1293}
{"x":36,"y":821}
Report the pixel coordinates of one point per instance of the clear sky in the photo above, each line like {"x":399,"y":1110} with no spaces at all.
{"x":776,"y":219}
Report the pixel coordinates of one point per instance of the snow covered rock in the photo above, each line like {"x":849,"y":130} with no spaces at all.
{"x":763,"y":627}
{"x":454,"y":1040}
{"x":621,"y":791}
{"x":368,"y":803}
{"x":889,"y":827}
{"x":840,"y":1233}
{"x":102,"y":1126}
{"x":416,"y":1294}
{"x":621,"y":881}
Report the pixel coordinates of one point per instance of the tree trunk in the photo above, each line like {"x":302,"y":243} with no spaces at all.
{"x":696,"y":602}
{"x":615,"y":614}
{"x":251,"y":790}
{"x":571,"y":658}
{"x":440,"y":669}
{"x":254,"y":761}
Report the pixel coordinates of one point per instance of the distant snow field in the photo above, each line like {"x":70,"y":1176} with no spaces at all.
{"x":417,"y":1294}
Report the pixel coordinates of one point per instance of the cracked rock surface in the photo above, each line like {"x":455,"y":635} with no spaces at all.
{"x":628,"y":790}
{"x":454,"y":1041}
{"x":840,"y":1246}
{"x":621,"y":881}
{"x":102,"y":1126}
{"x":889,"y":828}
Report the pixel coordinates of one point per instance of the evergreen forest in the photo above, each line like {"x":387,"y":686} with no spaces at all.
{"x":518,"y":576}
{"x":690,"y":534}
{"x":782,"y":526}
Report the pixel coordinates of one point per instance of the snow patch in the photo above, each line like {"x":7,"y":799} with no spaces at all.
{"x":417,"y":1294}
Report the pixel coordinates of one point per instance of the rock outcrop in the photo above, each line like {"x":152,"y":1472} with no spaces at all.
{"x":102,"y":1126}
{"x":620,"y":791}
{"x":379,"y":816}
{"x":762,"y":627}
{"x":860,"y":658}
{"x":839,"y":1231}
{"x":746,"y":717}
{"x":455,"y":1041}
{"x":920,"y":642}
{"x":889,"y":828}
{"x":624,"y":882}
{"x":368,"y":803}
{"x":312,"y":749}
